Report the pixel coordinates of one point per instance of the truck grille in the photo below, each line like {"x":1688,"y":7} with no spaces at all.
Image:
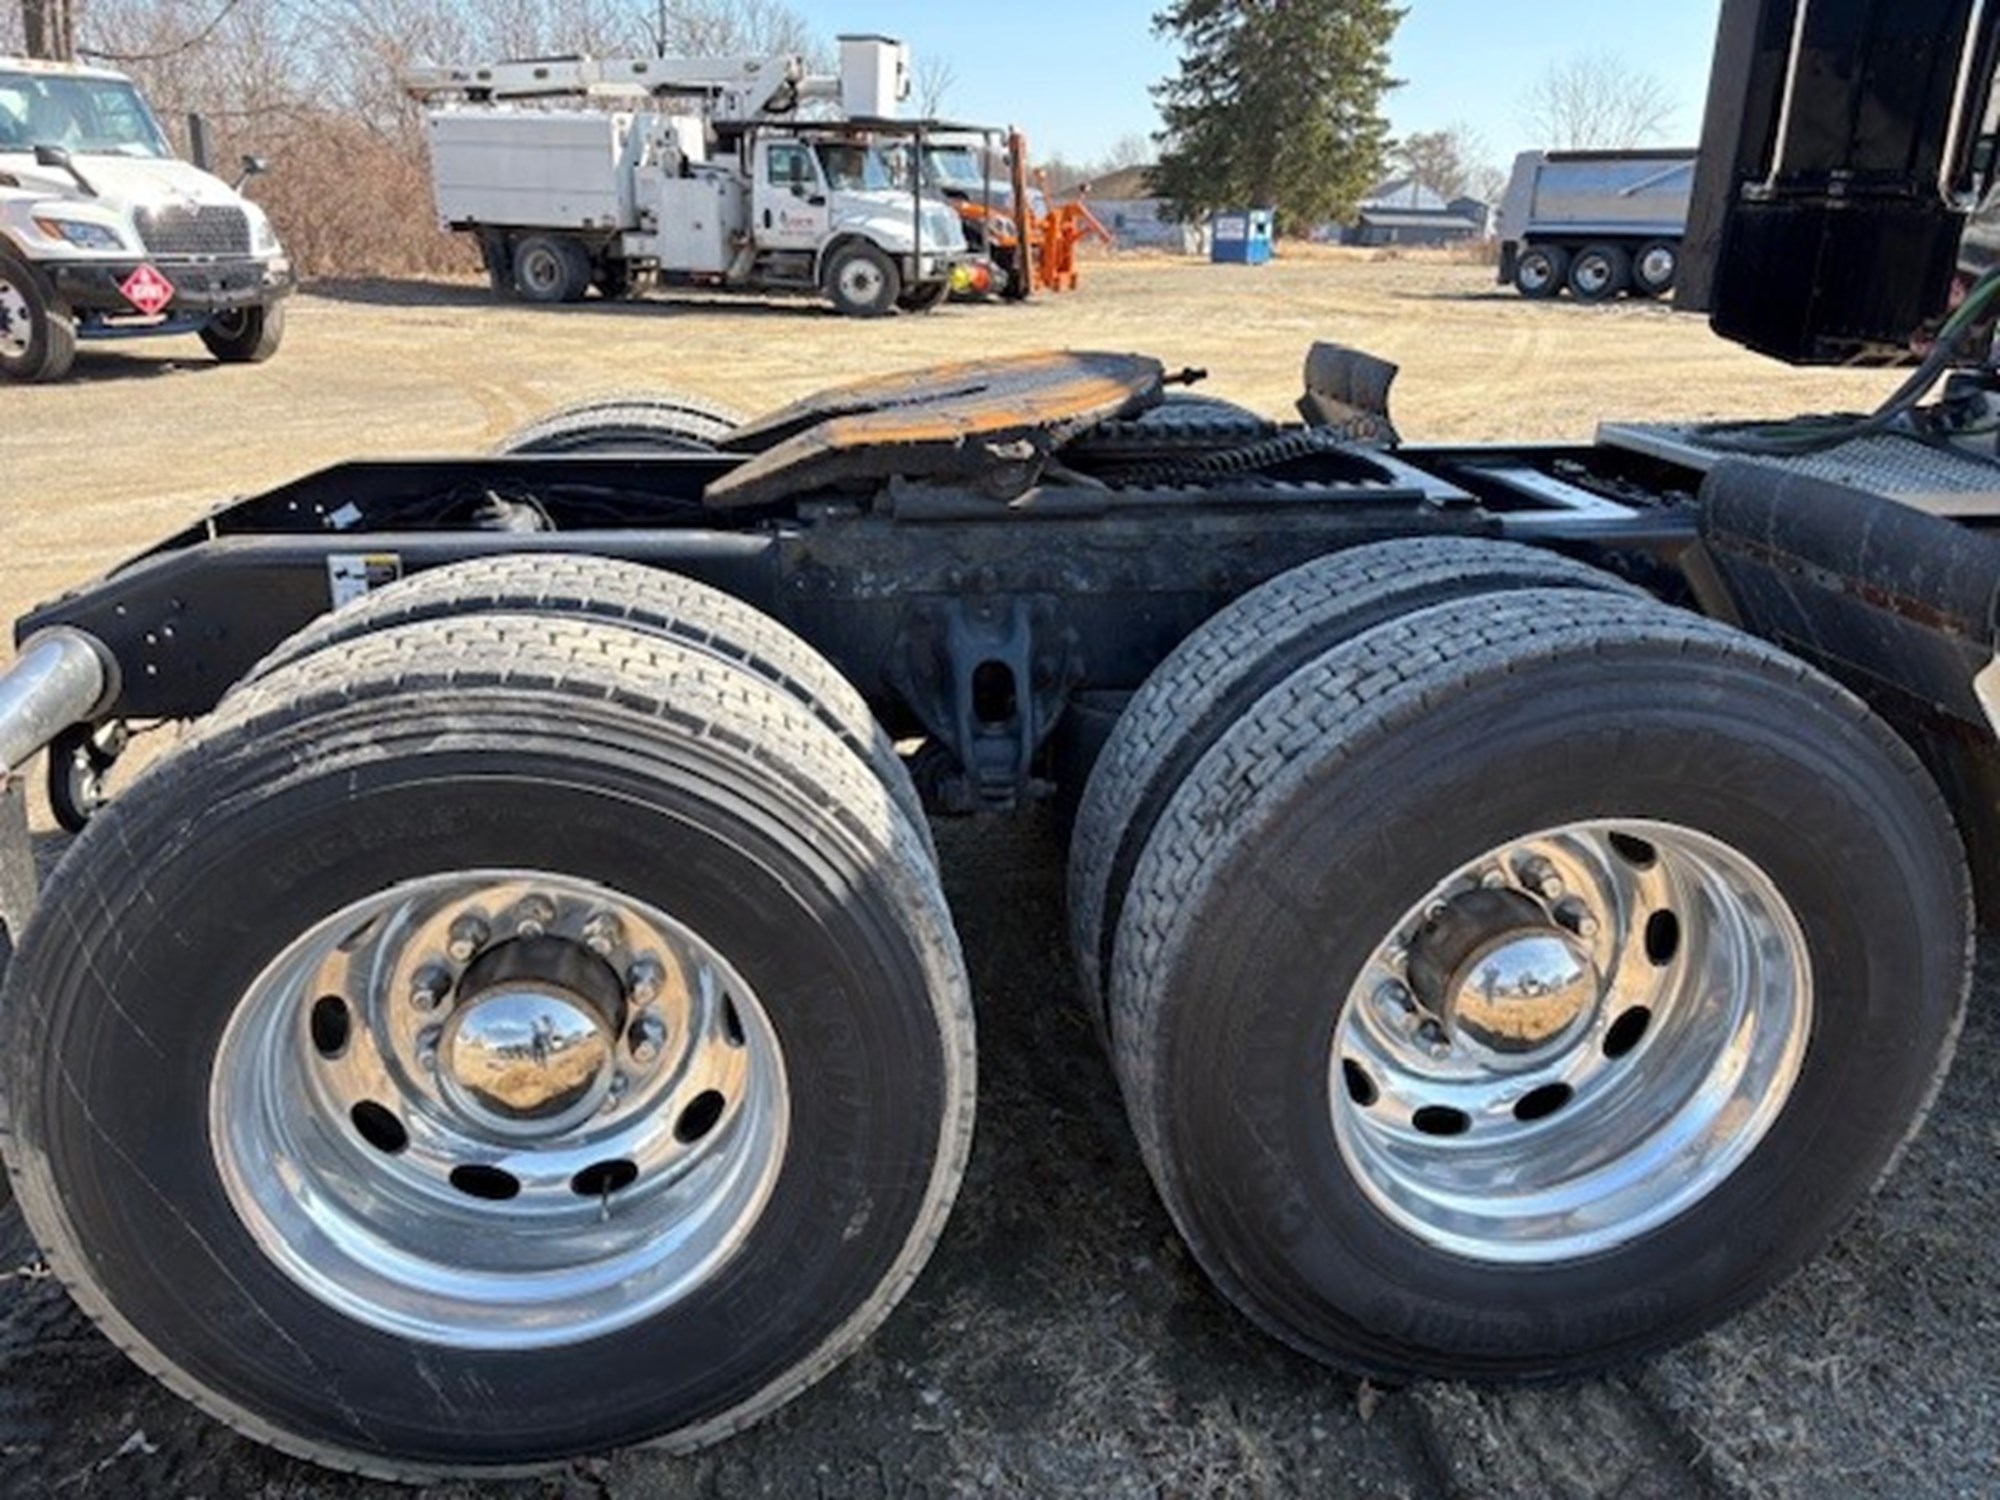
{"x":210,"y":230}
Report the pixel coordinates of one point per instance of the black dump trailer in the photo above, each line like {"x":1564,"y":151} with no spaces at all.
{"x":1526,"y":892}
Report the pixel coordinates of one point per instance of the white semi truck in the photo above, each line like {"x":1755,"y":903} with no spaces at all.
{"x":104,"y":234}
{"x":728,"y":188}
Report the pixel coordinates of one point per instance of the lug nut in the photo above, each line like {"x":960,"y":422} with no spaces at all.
{"x":430,"y":988}
{"x":1392,"y":998}
{"x":603,"y":934}
{"x":1431,"y":1036}
{"x":427,"y":1049}
{"x":533,"y":915}
{"x":1577,"y":918}
{"x":614,"y":1093}
{"x":644,"y":980}
{"x":647,"y":1035}
{"x":468,"y":936}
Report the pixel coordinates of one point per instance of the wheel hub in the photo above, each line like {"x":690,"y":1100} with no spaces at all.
{"x":525,"y":1060}
{"x":531,"y":1048}
{"x":499,"y":1109}
{"x":13,"y":320}
{"x":1570,"y":1039}
{"x":1503,"y":978}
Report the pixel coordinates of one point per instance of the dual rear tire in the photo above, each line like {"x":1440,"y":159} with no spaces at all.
{"x":1520,"y":982}
{"x":514,"y":995}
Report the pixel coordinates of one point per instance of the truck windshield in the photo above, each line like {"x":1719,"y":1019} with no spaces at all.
{"x":955,"y":169}
{"x":855,"y":169}
{"x":89,"y":116}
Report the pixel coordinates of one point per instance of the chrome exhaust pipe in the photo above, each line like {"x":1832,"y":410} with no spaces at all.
{"x":62,"y":677}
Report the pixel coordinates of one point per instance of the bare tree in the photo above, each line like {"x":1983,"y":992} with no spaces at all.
{"x":1454,"y":162}
{"x":1597,"y":102}
{"x":1131,"y":150}
{"x":48,"y":28}
{"x":935,"y":79}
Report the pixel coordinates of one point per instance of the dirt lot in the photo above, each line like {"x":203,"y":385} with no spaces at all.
{"x":1061,"y":1343}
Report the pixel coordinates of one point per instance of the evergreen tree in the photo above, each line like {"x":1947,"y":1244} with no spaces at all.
{"x":1278,"y":103}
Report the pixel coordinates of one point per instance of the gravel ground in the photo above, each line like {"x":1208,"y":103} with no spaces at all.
{"x":1061,"y":1341}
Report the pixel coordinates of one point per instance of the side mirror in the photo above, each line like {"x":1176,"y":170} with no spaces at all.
{"x":253,"y":166}
{"x":60,"y":159}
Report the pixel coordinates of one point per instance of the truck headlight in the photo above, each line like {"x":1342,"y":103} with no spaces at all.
{"x":82,"y":233}
{"x":263,"y":238}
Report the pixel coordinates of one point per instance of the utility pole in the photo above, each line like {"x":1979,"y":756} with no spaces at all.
{"x":50,"y":27}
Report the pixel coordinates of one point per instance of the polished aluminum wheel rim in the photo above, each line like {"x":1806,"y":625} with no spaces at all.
{"x":1536,"y":272}
{"x":16,"y":325}
{"x":499,"y":1111}
{"x":1571,"y":1041}
{"x":1657,"y":267}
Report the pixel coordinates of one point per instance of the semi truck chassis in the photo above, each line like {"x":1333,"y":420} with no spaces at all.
{"x":1494,"y":871}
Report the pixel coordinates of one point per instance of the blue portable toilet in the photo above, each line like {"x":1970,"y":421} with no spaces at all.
{"x":1243,"y":237}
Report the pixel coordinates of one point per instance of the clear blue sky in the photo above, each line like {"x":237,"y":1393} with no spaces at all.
{"x":1074,"y":73}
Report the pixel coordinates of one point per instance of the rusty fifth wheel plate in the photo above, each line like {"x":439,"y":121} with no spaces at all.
{"x":957,"y":421}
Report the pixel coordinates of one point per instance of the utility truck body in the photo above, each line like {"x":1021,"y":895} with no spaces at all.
{"x":714,"y":173}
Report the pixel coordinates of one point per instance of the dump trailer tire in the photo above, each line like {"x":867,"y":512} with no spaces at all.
{"x":1216,"y":674}
{"x":638,"y":422}
{"x":862,"y":281}
{"x":1699,"y":928}
{"x":246,"y":335}
{"x":1541,"y":271}
{"x":37,"y":332}
{"x":550,"y":268}
{"x":1599,"y":273}
{"x":659,"y":603}
{"x":303,"y":1271}
{"x":1655,"y":268}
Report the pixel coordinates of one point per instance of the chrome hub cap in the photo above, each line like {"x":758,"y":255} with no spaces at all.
{"x":528,"y":1061}
{"x":1657,"y":267}
{"x":1570,"y":1041}
{"x":499,"y":1110}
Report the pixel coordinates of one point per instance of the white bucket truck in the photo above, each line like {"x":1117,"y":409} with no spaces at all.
{"x":104,"y":234}
{"x":745,"y":174}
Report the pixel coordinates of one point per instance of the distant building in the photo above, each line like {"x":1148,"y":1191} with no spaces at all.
{"x":1137,"y":217}
{"x":1404,"y":212}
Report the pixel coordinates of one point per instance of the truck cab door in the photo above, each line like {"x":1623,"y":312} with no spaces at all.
{"x":790,"y":207}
